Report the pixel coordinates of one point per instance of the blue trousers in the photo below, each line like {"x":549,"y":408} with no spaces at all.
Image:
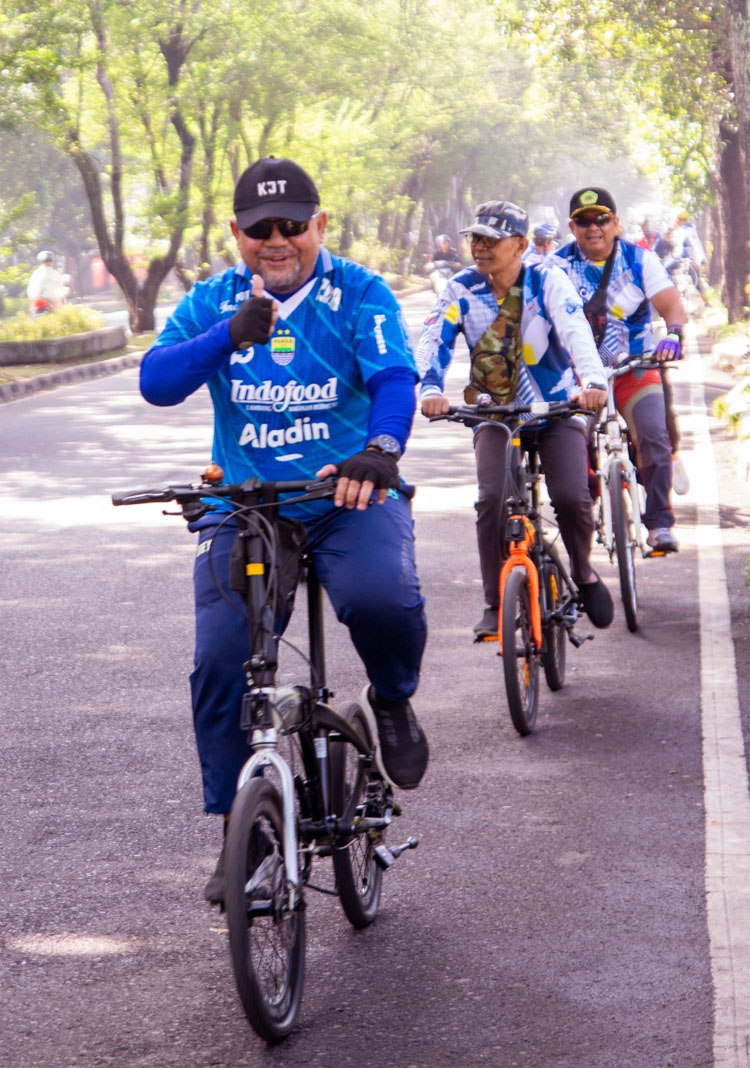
{"x":365,"y":562}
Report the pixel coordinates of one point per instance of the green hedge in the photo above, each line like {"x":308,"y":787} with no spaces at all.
{"x":70,"y":319}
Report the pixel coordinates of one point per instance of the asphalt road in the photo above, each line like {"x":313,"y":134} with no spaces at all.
{"x":555,"y":911}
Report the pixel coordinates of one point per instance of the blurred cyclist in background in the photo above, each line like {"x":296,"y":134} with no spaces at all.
{"x":686,"y":245}
{"x":648,"y":236}
{"x":545,"y":239}
{"x":444,"y":262}
{"x":47,"y":289}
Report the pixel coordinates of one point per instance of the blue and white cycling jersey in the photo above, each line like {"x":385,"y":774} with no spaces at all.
{"x":637,"y":275}
{"x":556,"y":339}
{"x":285,"y":409}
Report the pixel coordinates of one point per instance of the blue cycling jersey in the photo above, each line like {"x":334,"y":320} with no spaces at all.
{"x":304,"y":399}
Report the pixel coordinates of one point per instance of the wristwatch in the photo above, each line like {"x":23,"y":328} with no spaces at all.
{"x":385,"y":443}
{"x":595,"y":385}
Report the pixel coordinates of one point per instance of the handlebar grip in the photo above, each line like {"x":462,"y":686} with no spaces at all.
{"x":146,"y":496}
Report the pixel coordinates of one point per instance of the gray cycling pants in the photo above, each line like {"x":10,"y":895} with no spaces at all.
{"x":562,"y":449}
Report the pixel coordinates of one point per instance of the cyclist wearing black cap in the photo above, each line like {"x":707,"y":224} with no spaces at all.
{"x":310,"y":371}
{"x":622,"y":327}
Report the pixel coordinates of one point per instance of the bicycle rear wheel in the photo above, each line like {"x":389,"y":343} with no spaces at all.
{"x":358,"y":876}
{"x":553,"y":632}
{"x":622,"y":527}
{"x":520,"y":658}
{"x":266,"y":936}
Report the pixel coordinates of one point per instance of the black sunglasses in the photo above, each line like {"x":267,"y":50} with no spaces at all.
{"x":599,"y":220}
{"x":262,"y":230}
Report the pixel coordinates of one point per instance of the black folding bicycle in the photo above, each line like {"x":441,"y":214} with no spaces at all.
{"x":334,"y":803}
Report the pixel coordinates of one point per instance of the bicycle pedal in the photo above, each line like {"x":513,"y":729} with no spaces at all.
{"x":410,"y":843}
{"x":485,"y":638}
{"x":384,"y":858}
{"x":578,"y":639}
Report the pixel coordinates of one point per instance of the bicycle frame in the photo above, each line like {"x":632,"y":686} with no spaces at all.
{"x":262,"y":719}
{"x":525,"y":540}
{"x":612,"y":447}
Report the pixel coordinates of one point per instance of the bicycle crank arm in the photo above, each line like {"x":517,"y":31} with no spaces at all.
{"x":385,"y":857}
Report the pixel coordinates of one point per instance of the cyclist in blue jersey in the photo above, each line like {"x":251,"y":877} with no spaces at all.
{"x":529,"y":339}
{"x":310,"y":371}
{"x":637,"y":280}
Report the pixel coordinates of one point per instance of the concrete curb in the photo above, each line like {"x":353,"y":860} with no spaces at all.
{"x":65,"y":349}
{"x":66,"y":375}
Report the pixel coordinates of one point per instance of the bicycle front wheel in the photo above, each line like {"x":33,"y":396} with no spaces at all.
{"x":358,"y":876}
{"x":520,"y":658}
{"x":622,"y":528}
{"x":266,"y":935}
{"x":553,"y":631}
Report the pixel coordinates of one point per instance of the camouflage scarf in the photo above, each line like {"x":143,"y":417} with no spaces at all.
{"x":496,"y":357}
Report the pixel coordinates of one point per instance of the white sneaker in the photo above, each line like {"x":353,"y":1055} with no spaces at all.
{"x":680,"y":480}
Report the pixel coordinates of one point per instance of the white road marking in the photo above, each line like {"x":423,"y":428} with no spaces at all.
{"x":726,"y":796}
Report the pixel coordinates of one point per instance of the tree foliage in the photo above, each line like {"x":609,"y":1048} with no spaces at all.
{"x":407,"y":112}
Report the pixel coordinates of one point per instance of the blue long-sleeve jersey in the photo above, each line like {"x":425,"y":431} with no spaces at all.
{"x":337,"y":370}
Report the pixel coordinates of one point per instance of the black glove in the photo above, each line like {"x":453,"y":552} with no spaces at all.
{"x":371,"y":465}
{"x":251,"y":323}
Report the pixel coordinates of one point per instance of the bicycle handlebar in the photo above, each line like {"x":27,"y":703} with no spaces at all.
{"x":635,"y":362}
{"x":480,"y":413}
{"x":240,"y":493}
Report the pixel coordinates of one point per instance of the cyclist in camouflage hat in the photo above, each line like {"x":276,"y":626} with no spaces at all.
{"x":529,"y":339}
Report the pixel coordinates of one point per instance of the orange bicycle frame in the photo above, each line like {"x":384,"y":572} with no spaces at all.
{"x":519,"y":557}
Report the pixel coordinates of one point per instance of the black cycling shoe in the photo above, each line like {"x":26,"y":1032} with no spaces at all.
{"x":597,"y":602}
{"x":401,"y":750}
{"x":487,"y":625}
{"x":216,"y":887}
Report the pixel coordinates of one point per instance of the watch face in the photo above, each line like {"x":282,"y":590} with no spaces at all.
{"x":387,"y":443}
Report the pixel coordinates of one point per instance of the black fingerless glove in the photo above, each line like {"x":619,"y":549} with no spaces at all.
{"x":370,"y":465}
{"x":251,"y":323}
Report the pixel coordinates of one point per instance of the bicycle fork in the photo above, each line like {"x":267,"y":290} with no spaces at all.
{"x":631,"y":484}
{"x":521,"y":538}
{"x":266,"y":756}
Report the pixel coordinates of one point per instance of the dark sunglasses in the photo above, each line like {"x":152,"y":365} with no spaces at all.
{"x":262,"y":230}
{"x":599,"y":220}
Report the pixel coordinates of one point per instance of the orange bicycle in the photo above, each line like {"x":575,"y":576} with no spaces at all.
{"x":539,"y":602}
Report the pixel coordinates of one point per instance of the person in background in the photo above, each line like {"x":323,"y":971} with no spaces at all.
{"x":648,"y":236}
{"x":686,"y":244}
{"x":637,"y":281}
{"x":444,"y":261}
{"x":47,"y":289}
{"x":545,"y":239}
{"x":529,"y":339}
{"x":311,"y":373}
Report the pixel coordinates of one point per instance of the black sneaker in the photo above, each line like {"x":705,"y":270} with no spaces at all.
{"x":401,"y":750}
{"x":597,"y":603}
{"x":487,"y":625}
{"x":215,"y":889}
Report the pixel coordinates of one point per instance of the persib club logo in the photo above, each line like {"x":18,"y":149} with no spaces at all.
{"x":282,"y":347}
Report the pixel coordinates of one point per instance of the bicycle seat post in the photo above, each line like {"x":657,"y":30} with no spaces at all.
{"x":316,"y":634}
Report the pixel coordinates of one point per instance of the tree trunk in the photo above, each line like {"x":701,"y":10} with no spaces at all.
{"x":735,"y":230}
{"x":735,"y":184}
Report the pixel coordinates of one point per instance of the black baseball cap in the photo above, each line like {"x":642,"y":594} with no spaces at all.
{"x":498,"y":218}
{"x":274,"y":188}
{"x":592,"y":199}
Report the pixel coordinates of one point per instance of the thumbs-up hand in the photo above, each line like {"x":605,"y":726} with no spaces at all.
{"x":253,"y":321}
